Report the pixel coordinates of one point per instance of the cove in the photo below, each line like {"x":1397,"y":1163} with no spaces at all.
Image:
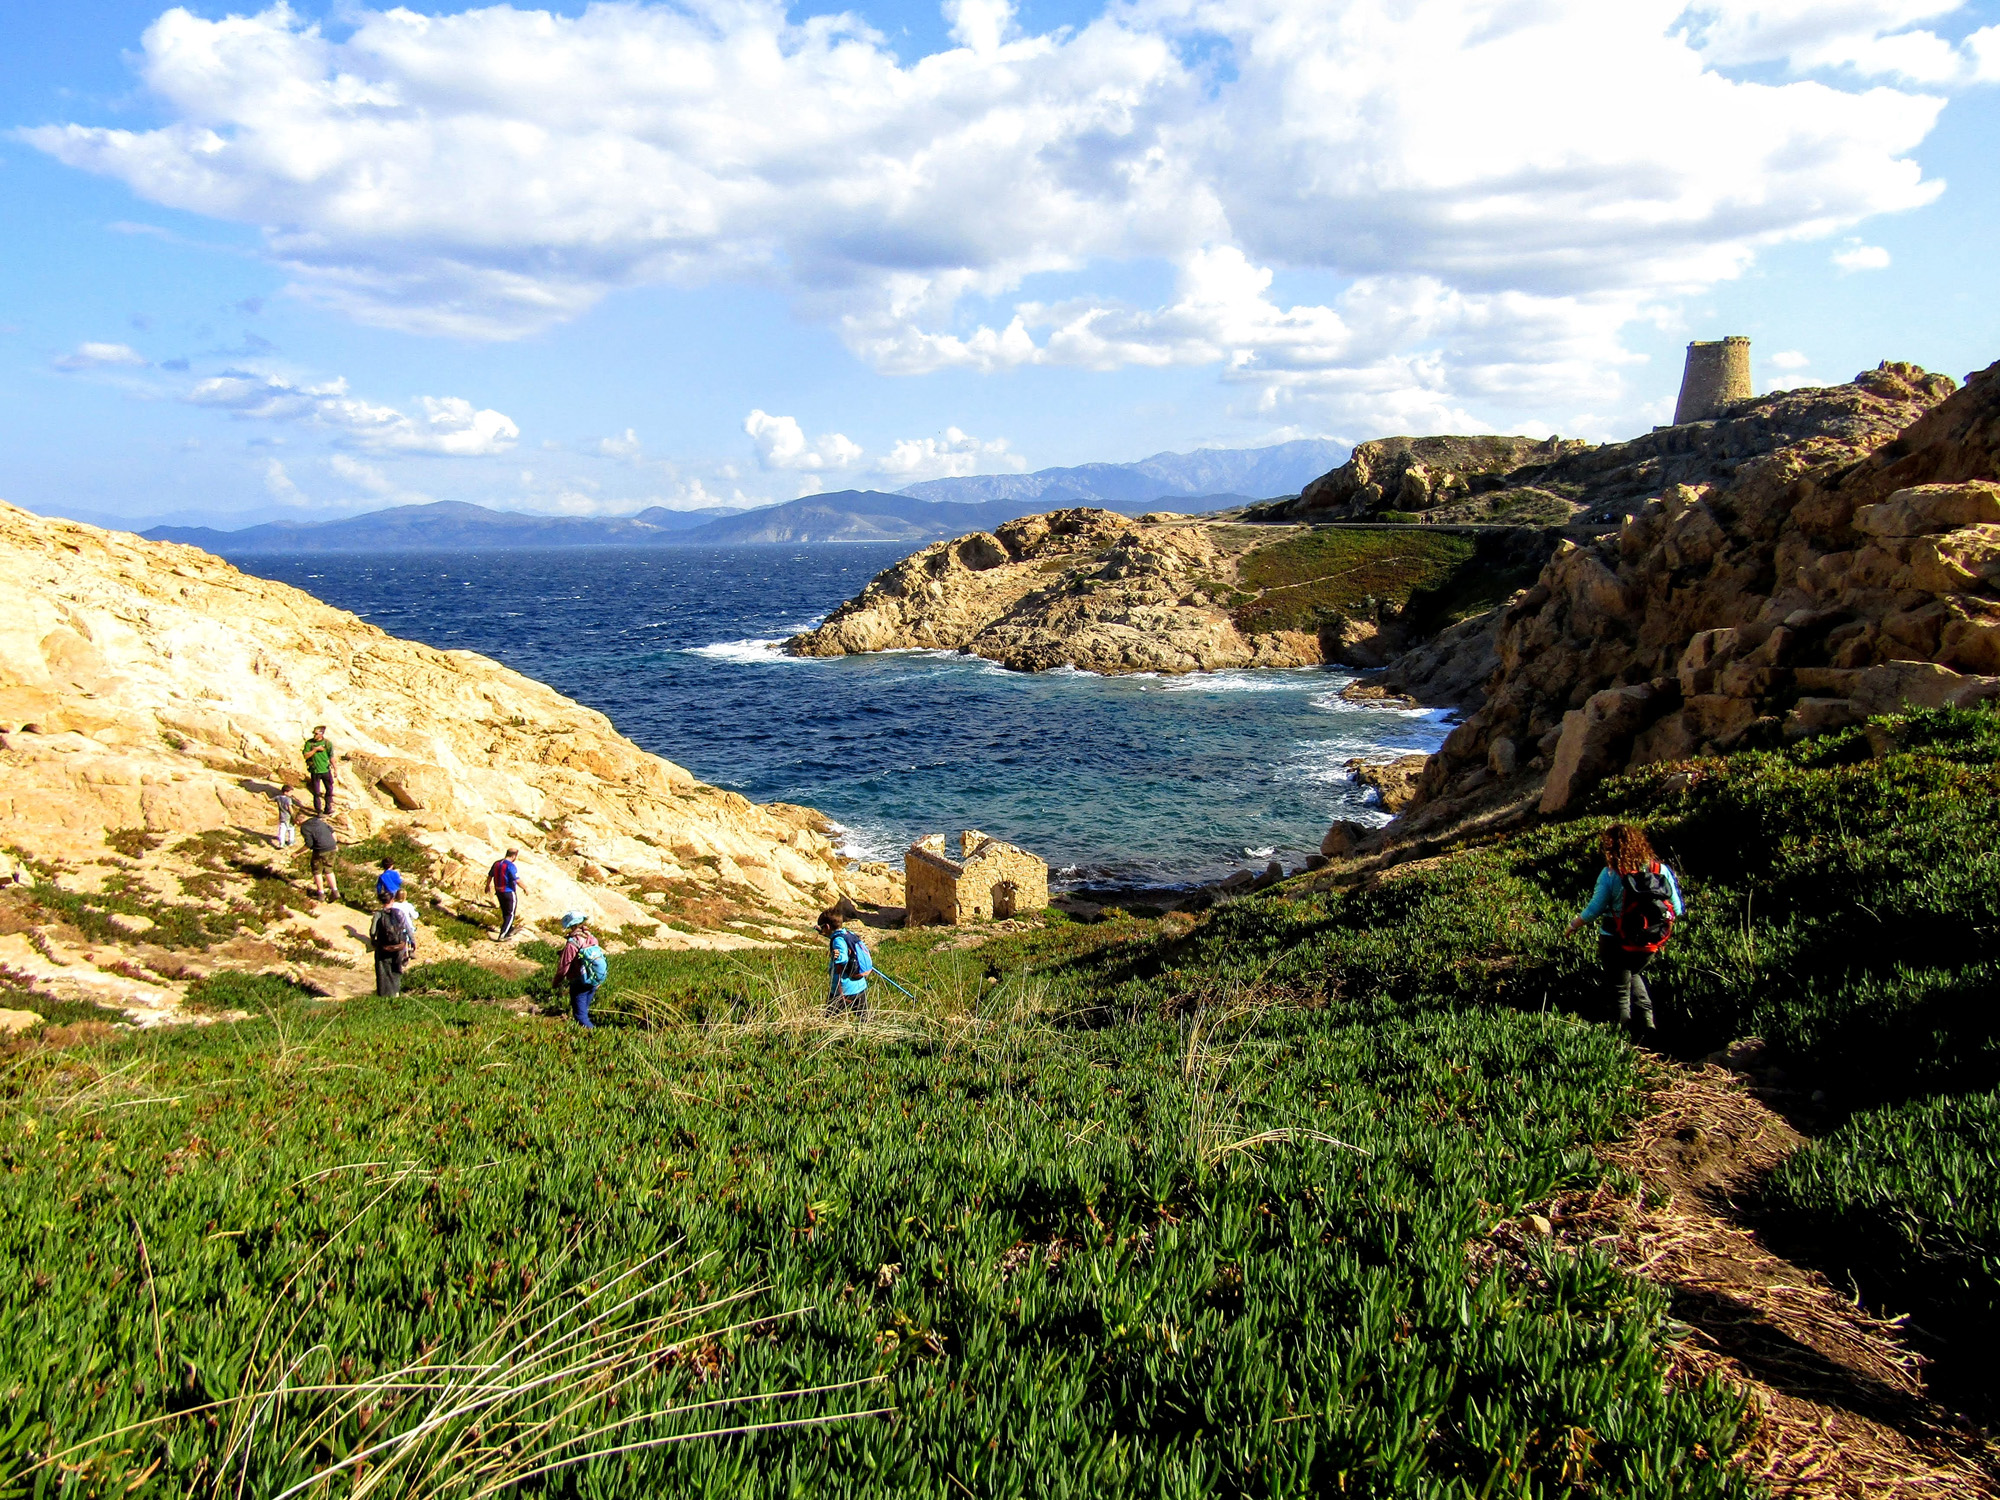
{"x":1127,"y":780}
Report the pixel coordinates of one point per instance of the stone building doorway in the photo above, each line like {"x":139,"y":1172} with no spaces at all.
{"x":1004,"y":896}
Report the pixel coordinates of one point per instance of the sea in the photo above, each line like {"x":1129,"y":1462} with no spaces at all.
{"x":1117,"y":781}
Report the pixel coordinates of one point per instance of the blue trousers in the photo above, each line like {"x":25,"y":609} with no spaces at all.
{"x":581,"y":999}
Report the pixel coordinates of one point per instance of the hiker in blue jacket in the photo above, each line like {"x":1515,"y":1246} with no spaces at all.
{"x":846,"y":955}
{"x":1634,"y":905}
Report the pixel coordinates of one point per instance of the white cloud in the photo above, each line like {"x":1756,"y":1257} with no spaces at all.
{"x":99,"y":356}
{"x":625,"y":446}
{"x":781,"y":444}
{"x":279,"y":486}
{"x":1856,"y":257}
{"x":361,"y":475}
{"x":1500,"y":189}
{"x":446,"y":425}
{"x":1871,"y":38}
{"x":372,"y":480}
{"x":1788,"y":359}
{"x":949,"y":457}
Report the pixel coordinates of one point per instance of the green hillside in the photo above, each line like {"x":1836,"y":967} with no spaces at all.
{"x":1246,"y":1206}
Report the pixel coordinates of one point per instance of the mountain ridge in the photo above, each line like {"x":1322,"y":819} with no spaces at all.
{"x":1281,"y":469}
{"x":933,"y":510}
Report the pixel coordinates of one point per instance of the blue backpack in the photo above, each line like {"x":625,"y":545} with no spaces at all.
{"x":859,"y":965}
{"x":593,"y":965}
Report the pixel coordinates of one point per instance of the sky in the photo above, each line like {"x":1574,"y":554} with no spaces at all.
{"x":314,"y":259}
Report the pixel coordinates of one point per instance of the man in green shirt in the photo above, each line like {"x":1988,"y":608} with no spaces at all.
{"x":319,"y":770}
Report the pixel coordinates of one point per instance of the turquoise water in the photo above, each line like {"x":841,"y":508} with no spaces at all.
{"x":1111,"y":779}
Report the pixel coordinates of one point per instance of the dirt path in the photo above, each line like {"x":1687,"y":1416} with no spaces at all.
{"x":1837,"y":1397}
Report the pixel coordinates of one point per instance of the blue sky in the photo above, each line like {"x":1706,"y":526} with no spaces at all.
{"x":312,"y":260}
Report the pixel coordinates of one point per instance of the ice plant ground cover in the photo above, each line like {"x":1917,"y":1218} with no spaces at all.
{"x":1134,"y":1208}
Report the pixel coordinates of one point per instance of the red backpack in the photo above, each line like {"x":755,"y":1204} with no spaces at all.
{"x":1646,"y":920}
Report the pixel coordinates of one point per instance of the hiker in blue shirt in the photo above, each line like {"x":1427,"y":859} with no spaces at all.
{"x":505,"y":880}
{"x":389,"y":884}
{"x":1634,"y":905}
{"x":846,"y":961}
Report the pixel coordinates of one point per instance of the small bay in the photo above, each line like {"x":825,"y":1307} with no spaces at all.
{"x":1141,"y":779}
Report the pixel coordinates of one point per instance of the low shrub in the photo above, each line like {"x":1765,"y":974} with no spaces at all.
{"x":229,"y":990}
{"x":463,"y":978}
{"x":1911,"y":1194}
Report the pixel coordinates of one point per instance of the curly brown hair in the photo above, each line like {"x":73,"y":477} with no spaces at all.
{"x":1626,"y":849}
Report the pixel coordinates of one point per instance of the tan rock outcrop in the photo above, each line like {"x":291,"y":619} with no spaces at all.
{"x":148,"y":686}
{"x":1083,"y":588}
{"x":1394,"y":782}
{"x":1426,"y":474}
{"x":1852,"y":572}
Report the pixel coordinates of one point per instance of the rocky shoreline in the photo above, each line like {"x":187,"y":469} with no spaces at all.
{"x":1787,"y":566}
{"x":153,"y":698}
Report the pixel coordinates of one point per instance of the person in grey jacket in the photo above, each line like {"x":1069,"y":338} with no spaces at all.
{"x":389,"y":936}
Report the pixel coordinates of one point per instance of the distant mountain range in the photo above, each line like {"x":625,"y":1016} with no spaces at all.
{"x":1284,"y":469}
{"x":1208,"y":479}
{"x":446,"y":525}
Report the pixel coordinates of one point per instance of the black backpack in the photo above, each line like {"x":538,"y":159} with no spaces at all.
{"x":1647,"y":919}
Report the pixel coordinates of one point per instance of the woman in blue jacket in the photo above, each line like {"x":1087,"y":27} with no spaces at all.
{"x":1634,"y":906}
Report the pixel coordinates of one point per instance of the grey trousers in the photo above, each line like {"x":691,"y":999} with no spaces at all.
{"x":388,"y":974}
{"x":1625,"y":977}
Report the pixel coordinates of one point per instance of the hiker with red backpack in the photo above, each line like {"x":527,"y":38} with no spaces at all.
{"x":1635,"y":905}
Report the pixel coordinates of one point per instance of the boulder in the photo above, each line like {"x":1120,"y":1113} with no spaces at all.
{"x":1394,"y":782}
{"x":1820,"y":715}
{"x":1343,"y":838}
{"x":1956,"y":562}
{"x":1927,"y":508}
{"x":1593,"y":741}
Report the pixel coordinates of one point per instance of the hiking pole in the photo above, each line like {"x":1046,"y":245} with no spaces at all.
{"x":880,"y":975}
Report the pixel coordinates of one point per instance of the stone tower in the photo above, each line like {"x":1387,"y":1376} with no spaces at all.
{"x":1716,"y":374}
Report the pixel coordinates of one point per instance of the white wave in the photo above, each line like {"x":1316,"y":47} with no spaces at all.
{"x":747,"y":653}
{"x":1262,"y":680}
{"x":1333,"y":703}
{"x":866,"y":844}
{"x":1264,"y":853}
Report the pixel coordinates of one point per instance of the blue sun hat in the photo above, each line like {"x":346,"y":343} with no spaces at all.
{"x":573,"y":919}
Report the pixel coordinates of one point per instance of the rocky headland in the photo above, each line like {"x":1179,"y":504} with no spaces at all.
{"x":1849,"y":572}
{"x":1167,"y":593}
{"x":152,"y":698}
{"x":1793,"y":564}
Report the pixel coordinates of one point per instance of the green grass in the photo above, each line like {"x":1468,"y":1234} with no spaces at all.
{"x":1125,"y":1208}
{"x":1327,"y":575}
{"x":1912,"y":1193}
{"x":462,"y":978}
{"x":255,"y":993}
{"x":1028,"y":1240}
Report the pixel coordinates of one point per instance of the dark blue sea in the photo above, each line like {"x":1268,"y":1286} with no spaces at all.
{"x":1111,"y":779}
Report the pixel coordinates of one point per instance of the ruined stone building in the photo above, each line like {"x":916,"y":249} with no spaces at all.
{"x":1716,"y":375}
{"x":987,"y":879}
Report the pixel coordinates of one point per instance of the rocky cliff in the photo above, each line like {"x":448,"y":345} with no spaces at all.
{"x":1848,"y":572}
{"x":1079,"y":587}
{"x":1549,"y":482}
{"x":152,"y":697}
